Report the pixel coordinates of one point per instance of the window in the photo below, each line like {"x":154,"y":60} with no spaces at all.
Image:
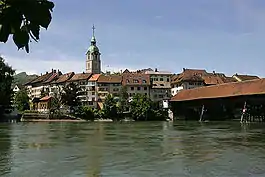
{"x":93,"y":93}
{"x":138,"y":88}
{"x":144,"y":81}
{"x":127,"y":81}
{"x":145,"y":88}
{"x":130,"y":94}
{"x":161,"y":79}
{"x":162,"y":85}
{"x":132,"y":88}
{"x":145,"y":94}
{"x":167,"y":79}
{"x":135,"y":81}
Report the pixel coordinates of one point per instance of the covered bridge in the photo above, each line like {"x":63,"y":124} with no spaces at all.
{"x":224,"y":101}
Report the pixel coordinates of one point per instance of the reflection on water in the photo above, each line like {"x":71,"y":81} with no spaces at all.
{"x":132,"y":149}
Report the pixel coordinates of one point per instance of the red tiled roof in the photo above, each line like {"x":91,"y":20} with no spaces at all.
{"x":64,"y":77}
{"x":53,"y":77}
{"x":212,"y":79}
{"x":223,"y":90}
{"x":80,"y":76}
{"x":228,"y":79}
{"x":190,"y":75}
{"x":41,"y":78}
{"x":46,"y":98}
{"x":246,"y":77}
{"x":135,"y":79}
{"x":94,"y":77}
{"x":109,"y":79}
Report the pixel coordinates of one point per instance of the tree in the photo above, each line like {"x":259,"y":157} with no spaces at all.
{"x":43,"y":93}
{"x":110,"y":108}
{"x":141,"y":107}
{"x":70,"y":95}
{"x":85,"y":112}
{"x":6,"y":92}
{"x":123,"y":100}
{"x":24,"y":19}
{"x":22,"y":100}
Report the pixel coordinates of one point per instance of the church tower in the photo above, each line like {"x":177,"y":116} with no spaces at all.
{"x":93,"y":63}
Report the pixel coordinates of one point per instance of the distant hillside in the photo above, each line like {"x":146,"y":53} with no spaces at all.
{"x":23,"y":78}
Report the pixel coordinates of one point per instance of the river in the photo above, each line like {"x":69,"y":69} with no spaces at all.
{"x":143,"y":149}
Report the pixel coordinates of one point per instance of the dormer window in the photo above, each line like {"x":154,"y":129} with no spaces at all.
{"x":144,"y":81}
{"x":135,"y":81}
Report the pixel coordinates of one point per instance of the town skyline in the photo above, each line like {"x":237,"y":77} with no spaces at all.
{"x":221,"y":36}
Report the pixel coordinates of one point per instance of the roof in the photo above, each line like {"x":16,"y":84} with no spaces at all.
{"x":64,"y":77}
{"x":41,"y":78}
{"x":251,"y":87}
{"x":245,"y":77}
{"x":94,"y":77}
{"x":46,"y":98}
{"x":135,"y":79}
{"x":53,"y":77}
{"x":228,"y":79}
{"x":109,"y":79}
{"x":212,"y":79}
{"x":189,"y":75}
{"x":80,"y":76}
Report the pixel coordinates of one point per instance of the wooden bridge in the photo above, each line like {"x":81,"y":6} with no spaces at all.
{"x":222,"y":102}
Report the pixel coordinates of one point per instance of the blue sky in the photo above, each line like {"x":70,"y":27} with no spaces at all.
{"x":222,"y":35}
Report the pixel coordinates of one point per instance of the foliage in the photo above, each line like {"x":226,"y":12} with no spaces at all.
{"x":24,"y":19}
{"x":56,"y":102}
{"x":85,"y":112}
{"x":6,"y":92}
{"x":70,"y":95}
{"x":98,"y":113}
{"x":110,"y":108}
{"x":142,"y":108}
{"x":123,"y":99}
{"x":22,"y":100}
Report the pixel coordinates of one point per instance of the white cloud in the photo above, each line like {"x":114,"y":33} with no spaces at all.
{"x":38,"y":66}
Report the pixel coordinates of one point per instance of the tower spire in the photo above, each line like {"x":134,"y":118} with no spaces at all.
{"x":93,"y":30}
{"x":93,"y":40}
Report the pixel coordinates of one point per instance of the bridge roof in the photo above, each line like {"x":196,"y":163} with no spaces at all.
{"x":251,"y":87}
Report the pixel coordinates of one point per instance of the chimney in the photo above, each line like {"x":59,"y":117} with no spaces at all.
{"x":52,"y":70}
{"x":213,"y":72}
{"x":184,"y":69}
{"x":46,"y":72}
{"x":156,"y":70}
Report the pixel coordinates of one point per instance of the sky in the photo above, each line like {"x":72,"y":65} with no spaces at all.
{"x":225,"y":36}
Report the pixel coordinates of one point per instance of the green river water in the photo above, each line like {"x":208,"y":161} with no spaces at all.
{"x":132,"y":149}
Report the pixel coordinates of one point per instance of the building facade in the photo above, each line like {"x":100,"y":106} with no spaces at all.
{"x":160,"y":85}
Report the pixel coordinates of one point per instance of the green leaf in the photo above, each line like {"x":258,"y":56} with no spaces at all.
{"x":35,"y":29}
{"x":21,"y":38}
{"x":48,"y":4}
{"x":5,"y":30}
{"x":27,"y":48}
